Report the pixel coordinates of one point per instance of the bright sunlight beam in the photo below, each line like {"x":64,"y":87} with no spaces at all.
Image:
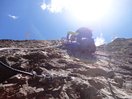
{"x":89,"y":10}
{"x":81,"y":10}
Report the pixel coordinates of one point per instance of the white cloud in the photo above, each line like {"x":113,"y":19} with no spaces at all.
{"x":13,"y":17}
{"x":99,"y":40}
{"x":43,"y":6}
{"x":77,"y":6}
{"x":55,"y":6}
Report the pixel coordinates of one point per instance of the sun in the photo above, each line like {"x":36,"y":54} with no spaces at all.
{"x":89,"y":10}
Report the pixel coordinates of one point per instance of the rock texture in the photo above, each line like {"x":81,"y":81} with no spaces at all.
{"x":105,"y":75}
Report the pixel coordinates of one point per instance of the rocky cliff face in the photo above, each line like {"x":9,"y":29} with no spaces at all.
{"x":105,"y":75}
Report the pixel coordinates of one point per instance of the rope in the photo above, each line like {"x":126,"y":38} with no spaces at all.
{"x":16,"y":70}
{"x":8,"y":48}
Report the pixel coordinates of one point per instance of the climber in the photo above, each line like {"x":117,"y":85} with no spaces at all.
{"x":81,"y":41}
{"x":83,"y":33}
{"x":85,"y":40}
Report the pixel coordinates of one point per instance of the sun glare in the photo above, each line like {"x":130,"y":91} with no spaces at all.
{"x":81,"y":10}
{"x":89,"y":10}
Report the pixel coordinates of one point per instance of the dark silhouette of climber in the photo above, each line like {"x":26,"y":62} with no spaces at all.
{"x":83,"y":41}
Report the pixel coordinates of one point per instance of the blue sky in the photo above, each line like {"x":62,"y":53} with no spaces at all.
{"x":52,"y":19}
